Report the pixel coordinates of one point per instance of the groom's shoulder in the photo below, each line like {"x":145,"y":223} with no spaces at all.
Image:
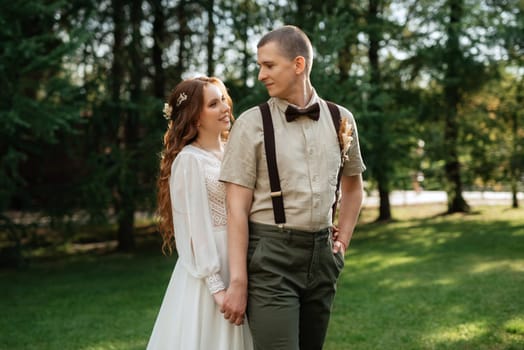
{"x":250,"y":115}
{"x":344,"y":112}
{"x":250,"y":112}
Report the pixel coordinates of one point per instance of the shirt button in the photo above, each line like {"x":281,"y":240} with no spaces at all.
{"x":311,"y":151}
{"x":315,"y":178}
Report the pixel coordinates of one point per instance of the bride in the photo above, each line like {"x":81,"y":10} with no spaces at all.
{"x":192,"y":215}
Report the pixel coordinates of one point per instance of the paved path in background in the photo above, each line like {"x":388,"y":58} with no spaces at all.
{"x":427,"y":197}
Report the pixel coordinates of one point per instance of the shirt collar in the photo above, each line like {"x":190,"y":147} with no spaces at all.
{"x":282,"y":104}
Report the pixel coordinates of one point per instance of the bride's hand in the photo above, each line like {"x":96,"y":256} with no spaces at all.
{"x":219,"y":297}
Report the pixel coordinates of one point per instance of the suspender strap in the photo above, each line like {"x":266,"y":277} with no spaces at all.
{"x":335,"y":115}
{"x":271,"y":156}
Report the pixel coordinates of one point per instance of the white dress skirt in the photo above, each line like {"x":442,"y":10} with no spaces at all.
{"x":189,"y":318}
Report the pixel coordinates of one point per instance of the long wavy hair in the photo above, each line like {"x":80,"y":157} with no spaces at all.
{"x":185,"y":106}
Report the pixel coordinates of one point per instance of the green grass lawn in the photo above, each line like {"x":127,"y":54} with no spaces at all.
{"x":421,"y":282}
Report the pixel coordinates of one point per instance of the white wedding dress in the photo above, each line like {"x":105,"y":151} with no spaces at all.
{"x":189,"y":318}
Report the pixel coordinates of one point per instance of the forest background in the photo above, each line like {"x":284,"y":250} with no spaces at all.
{"x":436,"y":88}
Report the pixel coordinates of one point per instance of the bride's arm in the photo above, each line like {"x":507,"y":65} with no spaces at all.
{"x":194,"y":237}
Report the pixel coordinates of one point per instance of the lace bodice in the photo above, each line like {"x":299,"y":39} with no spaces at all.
{"x":216,"y":193}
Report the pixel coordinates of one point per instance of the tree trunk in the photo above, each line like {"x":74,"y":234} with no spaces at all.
{"x":182,"y":37}
{"x":381,"y":174}
{"x":514,"y":192}
{"x":11,"y":255}
{"x":129,"y":146}
{"x":159,"y":43}
{"x":123,"y":209}
{"x":117,"y":70}
{"x":345,"y":60}
{"x":514,"y":165}
{"x":210,"y":38}
{"x":384,"y":209}
{"x":246,"y":56}
{"x":456,"y":202}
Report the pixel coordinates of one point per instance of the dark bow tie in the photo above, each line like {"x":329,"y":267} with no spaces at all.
{"x":293,"y":113}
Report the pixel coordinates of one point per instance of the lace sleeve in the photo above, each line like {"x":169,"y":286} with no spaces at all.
{"x":215,"y":283}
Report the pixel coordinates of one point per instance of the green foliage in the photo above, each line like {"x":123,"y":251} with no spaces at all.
{"x":39,"y":109}
{"x":68,"y":99}
{"x":37,"y":101}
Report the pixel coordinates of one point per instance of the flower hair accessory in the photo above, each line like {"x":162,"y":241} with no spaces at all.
{"x":344,"y":138}
{"x":181,"y":98}
{"x":167,"y":111}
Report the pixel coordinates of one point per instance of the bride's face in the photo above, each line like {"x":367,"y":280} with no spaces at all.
{"x":215,"y":115}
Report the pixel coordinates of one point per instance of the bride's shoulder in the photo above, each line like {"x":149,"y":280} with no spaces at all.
{"x":188,"y":157}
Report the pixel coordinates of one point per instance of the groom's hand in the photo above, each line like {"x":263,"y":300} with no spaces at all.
{"x":235,"y":301}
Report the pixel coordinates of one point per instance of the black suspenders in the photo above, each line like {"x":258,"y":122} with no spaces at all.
{"x":335,"y":116}
{"x":271,"y":157}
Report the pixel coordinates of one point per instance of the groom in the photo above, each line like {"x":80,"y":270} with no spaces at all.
{"x":281,"y":171}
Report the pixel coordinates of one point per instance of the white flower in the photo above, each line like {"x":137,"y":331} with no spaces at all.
{"x":167,"y":111}
{"x":344,"y":138}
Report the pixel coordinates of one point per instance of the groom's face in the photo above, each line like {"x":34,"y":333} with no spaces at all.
{"x":277,"y":72}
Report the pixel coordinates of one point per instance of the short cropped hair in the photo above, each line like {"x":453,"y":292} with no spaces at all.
{"x":292,"y":41}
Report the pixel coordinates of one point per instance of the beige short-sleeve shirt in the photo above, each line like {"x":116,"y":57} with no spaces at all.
{"x":308,"y":160}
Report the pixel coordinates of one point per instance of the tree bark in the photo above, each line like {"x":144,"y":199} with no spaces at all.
{"x":121,"y":204}
{"x":456,"y":202}
{"x":210,"y":38}
{"x":381,"y":174}
{"x":183,"y":33}
{"x":129,"y":146}
{"x":159,"y":43}
{"x":514,"y":165}
{"x":117,"y":70}
{"x":384,"y":209}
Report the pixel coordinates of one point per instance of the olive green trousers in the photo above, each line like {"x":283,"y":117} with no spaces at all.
{"x":291,"y":285}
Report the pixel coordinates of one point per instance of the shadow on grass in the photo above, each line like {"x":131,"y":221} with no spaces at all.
{"x":451,"y":282}
{"x":85,"y":301}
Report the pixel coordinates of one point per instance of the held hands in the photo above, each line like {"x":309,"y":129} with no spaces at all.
{"x":219,"y":298}
{"x":234,"y":304}
{"x":233,"y":301}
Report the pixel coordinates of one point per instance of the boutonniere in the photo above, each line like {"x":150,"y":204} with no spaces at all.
{"x":344,"y":138}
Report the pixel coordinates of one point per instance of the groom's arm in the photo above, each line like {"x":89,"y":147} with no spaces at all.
{"x":238,"y":202}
